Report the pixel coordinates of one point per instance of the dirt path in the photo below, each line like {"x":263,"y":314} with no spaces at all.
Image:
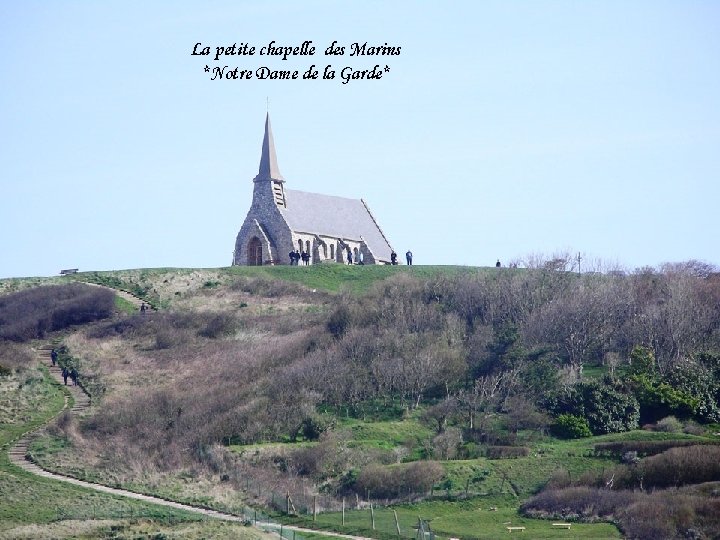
{"x":18,"y":456}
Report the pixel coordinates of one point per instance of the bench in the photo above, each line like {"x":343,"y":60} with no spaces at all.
{"x":562,"y":525}
{"x":68,"y":271}
{"x":511,"y":529}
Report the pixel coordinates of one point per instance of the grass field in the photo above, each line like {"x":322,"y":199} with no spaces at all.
{"x":479,"y":517}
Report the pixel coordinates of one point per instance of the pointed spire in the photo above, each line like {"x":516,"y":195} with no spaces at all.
{"x":269,"y":169}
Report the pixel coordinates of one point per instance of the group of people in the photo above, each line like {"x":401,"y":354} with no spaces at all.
{"x":66,"y":372}
{"x":408,"y":258}
{"x":72,"y":373}
{"x":296,"y":257}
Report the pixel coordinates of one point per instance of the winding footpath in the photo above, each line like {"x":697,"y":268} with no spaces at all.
{"x":18,"y":454}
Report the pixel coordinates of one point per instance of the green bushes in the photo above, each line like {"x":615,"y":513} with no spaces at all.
{"x":570,"y":426}
{"x":603,"y":404}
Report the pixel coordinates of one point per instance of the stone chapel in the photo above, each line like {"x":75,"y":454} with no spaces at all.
{"x":281,"y":220}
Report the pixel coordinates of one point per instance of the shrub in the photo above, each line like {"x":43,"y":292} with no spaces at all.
{"x":607,"y":408}
{"x":505,"y":452}
{"x":669,"y":424}
{"x":660,"y":514}
{"x":31,"y":313}
{"x":645,"y":448}
{"x":13,"y":358}
{"x":395,"y":481}
{"x":218,"y":326}
{"x":570,"y":426}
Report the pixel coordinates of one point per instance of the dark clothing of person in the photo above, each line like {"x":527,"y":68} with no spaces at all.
{"x":292,"y":258}
{"x":305,"y":258}
{"x":497,"y":264}
{"x":349,"y":256}
{"x":53,"y":356}
{"x":408,"y":257}
{"x":65,"y":375}
{"x":74,"y":376}
{"x":393,"y":258}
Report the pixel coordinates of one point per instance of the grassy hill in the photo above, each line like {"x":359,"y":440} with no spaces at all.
{"x":249,"y":384}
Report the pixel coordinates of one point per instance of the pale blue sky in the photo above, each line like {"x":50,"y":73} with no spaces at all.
{"x":502,"y":129}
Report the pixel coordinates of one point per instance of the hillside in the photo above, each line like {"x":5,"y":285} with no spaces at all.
{"x":450,"y":393}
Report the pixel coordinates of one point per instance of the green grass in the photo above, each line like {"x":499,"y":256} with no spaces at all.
{"x":327,"y":277}
{"x":338,"y":277}
{"x":125,"y":306}
{"x":471,"y":518}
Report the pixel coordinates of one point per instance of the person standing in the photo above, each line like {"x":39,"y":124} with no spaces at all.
{"x":349,"y":255}
{"x":408,"y":257}
{"x":393,"y":258}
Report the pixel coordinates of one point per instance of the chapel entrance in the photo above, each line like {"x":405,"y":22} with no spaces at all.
{"x":255,"y":252}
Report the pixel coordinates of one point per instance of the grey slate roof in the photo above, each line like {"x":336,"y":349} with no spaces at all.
{"x":334,"y":216}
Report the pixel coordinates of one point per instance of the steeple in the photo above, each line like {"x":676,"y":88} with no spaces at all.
{"x":269,"y":169}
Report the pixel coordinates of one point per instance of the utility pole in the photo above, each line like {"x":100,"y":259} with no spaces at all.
{"x":579,"y":258}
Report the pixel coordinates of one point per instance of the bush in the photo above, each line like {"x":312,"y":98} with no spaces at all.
{"x":661,"y":514}
{"x":218,"y":326}
{"x":669,"y":424}
{"x":30,"y":314}
{"x":505,"y":452}
{"x":13,"y":358}
{"x":396,"y":481}
{"x":570,"y":426}
{"x":645,"y":448}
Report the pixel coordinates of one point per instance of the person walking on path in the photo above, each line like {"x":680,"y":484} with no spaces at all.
{"x":53,"y":356}
{"x":74,"y":376}
{"x":408,"y":257}
{"x":65,"y":375}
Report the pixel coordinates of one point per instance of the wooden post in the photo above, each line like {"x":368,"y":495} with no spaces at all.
{"x":343,"y":512}
{"x":372,"y":517}
{"x":397,"y":523}
{"x":314,"y":507}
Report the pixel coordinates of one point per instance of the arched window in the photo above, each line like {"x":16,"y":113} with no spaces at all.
{"x":332,"y":252}
{"x":255,"y":257}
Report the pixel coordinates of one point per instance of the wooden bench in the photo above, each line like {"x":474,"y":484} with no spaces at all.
{"x":562,"y":525}
{"x":511,"y":529}
{"x":68,"y":271}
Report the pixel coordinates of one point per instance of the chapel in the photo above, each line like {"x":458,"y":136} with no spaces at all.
{"x":325,"y":227}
